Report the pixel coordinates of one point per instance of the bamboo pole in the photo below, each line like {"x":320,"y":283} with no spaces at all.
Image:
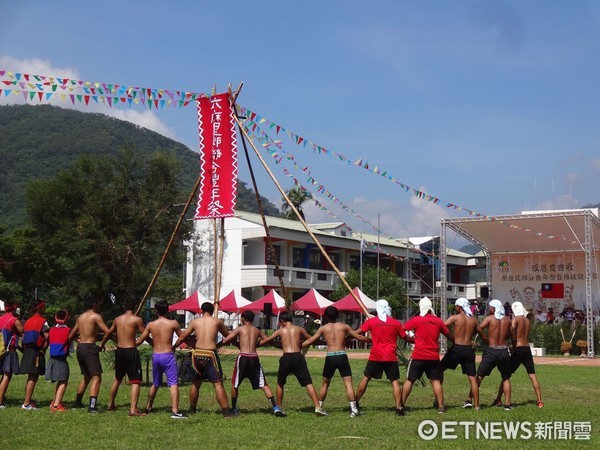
{"x":170,"y":243}
{"x":219,"y":274}
{"x":215,"y":260}
{"x":303,"y":222}
{"x":262,"y":216}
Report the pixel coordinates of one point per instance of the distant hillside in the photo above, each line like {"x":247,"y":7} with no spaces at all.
{"x":39,"y":141}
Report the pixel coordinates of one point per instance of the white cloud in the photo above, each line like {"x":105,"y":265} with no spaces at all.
{"x":397,"y":218}
{"x":144,"y":118}
{"x":561,"y":202}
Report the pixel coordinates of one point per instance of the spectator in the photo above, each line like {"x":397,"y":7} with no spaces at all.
{"x":541,"y":316}
{"x":550,"y":316}
{"x":475,"y":309}
{"x":568,"y":314}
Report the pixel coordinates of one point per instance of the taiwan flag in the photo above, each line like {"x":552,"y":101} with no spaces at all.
{"x":553,"y":290}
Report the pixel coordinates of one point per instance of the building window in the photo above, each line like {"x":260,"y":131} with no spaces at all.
{"x":335,"y":258}
{"x":297,"y":257}
{"x":355,"y":262}
{"x":270,"y":260}
{"x":316,"y":259}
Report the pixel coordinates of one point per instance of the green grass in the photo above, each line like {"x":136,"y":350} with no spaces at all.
{"x":570,"y":394}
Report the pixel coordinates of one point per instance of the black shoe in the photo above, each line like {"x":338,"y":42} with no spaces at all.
{"x":400,"y":412}
{"x":508,"y":407}
{"x":93,"y":410}
{"x":177,"y":415}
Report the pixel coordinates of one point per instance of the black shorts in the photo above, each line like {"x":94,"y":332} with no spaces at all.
{"x":336,"y":361}
{"x":463,"y":355}
{"x":495,"y":357}
{"x":33,"y":361}
{"x":522,"y":355}
{"x":207,"y":366}
{"x":127,"y":362}
{"x":431,"y":367}
{"x":88,"y":358}
{"x":375,"y":369}
{"x":296,"y":364}
{"x":247,"y":365}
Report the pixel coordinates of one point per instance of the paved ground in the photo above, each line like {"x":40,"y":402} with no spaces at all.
{"x":552,"y":360}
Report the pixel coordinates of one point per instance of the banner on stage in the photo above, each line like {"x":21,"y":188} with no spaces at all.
{"x":218,"y":157}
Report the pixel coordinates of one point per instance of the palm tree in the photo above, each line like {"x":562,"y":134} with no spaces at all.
{"x":297,"y":196}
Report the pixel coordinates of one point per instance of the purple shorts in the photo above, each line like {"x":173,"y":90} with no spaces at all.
{"x":164,"y":363}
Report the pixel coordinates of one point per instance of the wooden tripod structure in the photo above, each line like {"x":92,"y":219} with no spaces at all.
{"x":219,"y":249}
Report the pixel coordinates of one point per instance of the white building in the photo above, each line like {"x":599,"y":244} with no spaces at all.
{"x":248,"y":269}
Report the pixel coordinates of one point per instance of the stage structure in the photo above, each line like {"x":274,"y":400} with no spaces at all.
{"x":544,"y":259}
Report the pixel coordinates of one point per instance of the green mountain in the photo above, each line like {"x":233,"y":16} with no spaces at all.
{"x":40,"y":141}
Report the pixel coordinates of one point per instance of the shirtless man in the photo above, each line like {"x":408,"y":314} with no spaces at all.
{"x":163,"y":358}
{"x":247,"y":364}
{"x":205,"y":360}
{"x":497,"y":353}
{"x":292,"y":361}
{"x":335,"y":334}
{"x":88,"y":324}
{"x":521,"y":353}
{"x":127,"y":357}
{"x":464,"y":326}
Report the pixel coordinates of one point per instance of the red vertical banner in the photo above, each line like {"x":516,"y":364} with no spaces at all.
{"x":218,"y":157}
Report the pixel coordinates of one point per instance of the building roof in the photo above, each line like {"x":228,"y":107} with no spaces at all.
{"x":542,"y":231}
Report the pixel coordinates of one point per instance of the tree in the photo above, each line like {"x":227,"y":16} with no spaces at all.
{"x":22,"y":266}
{"x":297,"y":197}
{"x":104,"y":223}
{"x":391,"y":287}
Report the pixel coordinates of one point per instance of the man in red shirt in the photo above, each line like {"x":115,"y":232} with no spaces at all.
{"x":384,"y":334}
{"x":425,"y":357}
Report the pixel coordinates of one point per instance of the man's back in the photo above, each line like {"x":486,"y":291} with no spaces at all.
{"x":248,"y":335}
{"x":521,"y":327}
{"x":162,"y":330}
{"x":127,"y":325}
{"x":88,"y":325}
{"x":290,"y":338}
{"x":464,"y":328}
{"x":498,"y":330}
{"x":206,"y":329}
{"x":335,"y":336}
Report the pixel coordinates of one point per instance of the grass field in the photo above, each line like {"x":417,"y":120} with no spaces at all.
{"x":570,"y":394}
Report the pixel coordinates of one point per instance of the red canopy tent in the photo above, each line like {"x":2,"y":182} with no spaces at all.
{"x":233,"y":302}
{"x":348,"y":303}
{"x":313,"y":302}
{"x":191,"y":304}
{"x":276,"y":300}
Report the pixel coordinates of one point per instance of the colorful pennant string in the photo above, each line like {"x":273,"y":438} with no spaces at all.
{"x":43,"y":88}
{"x":254,"y":122}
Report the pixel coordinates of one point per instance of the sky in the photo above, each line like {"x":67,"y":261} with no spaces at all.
{"x":491,"y":105}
